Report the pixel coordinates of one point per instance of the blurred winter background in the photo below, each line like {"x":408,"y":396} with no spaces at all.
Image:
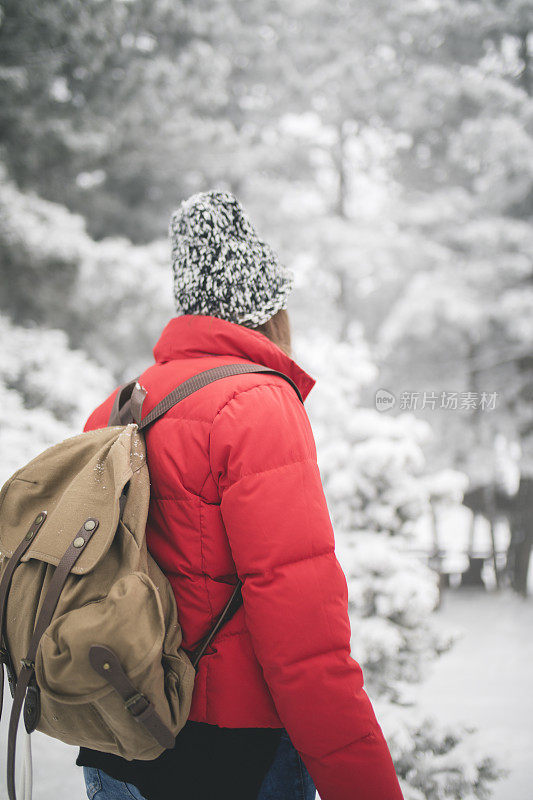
{"x":386,"y":152}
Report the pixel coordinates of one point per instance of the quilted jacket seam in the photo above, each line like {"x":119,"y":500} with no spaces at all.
{"x":269,"y":570}
{"x":311,"y":656}
{"x":271,"y":469}
{"x":223,"y":635}
{"x":202,"y":487}
{"x":236,"y":394}
{"x":202,"y":557}
{"x":284,"y":388}
{"x":369,"y":735}
{"x":207,"y":687}
{"x":185,"y":418}
{"x":171,"y":498}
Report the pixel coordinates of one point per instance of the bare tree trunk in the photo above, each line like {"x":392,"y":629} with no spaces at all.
{"x":435,"y":560}
{"x":340,"y":163}
{"x":521,"y":521}
{"x":339,"y":158}
{"x":475,"y":500}
{"x":525,"y":75}
{"x":523,"y":559}
{"x":492,"y":516}
{"x":343,"y":304}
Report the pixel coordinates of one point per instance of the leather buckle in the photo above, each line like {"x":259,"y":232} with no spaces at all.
{"x":133,"y":700}
{"x":32,"y":706}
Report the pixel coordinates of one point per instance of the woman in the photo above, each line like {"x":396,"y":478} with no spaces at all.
{"x":279,"y":704}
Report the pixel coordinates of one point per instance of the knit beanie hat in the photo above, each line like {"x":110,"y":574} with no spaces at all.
{"x":221,"y":267}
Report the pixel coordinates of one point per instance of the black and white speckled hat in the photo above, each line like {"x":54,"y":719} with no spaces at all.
{"x":221,"y":267}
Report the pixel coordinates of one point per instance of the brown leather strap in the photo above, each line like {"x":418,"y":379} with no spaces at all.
{"x":129,"y":398}
{"x":127,"y":404}
{"x":5,"y":583}
{"x":55,"y":587}
{"x":121,"y":398}
{"x":137,"y":399}
{"x":203,"y":379}
{"x":107,"y":664}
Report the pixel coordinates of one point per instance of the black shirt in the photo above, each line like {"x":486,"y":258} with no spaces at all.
{"x":206,"y":762}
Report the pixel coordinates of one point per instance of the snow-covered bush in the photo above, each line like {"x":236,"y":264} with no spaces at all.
{"x":378,"y":490}
{"x":46,"y":390}
{"x":436,"y":761}
{"x":371,"y":465}
{"x":41,"y":246}
{"x":391,"y":598}
{"x":373,"y":470}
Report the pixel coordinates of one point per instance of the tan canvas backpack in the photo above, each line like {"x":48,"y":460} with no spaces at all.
{"x":89,"y":629}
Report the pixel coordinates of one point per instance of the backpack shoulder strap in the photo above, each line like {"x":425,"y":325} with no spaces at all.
{"x":203,"y":379}
{"x":127,"y":404}
{"x":127,"y":408}
{"x":129,"y":398}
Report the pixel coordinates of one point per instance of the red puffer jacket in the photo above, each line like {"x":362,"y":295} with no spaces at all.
{"x":236,"y":490}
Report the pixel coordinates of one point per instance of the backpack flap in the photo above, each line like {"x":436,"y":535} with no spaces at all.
{"x":82,"y":477}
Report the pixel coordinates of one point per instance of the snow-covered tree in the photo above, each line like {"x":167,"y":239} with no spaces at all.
{"x":378,"y":489}
{"x":57,"y":276}
{"x":47,"y":391}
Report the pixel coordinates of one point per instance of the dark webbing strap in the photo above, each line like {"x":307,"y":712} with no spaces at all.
{"x":107,"y":664}
{"x":203,"y":379}
{"x":55,"y":587}
{"x":120,"y":409}
{"x":228,"y":611}
{"x":5,"y":583}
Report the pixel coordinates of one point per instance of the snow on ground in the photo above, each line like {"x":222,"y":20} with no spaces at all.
{"x":485,"y":680}
{"x":55,"y":775}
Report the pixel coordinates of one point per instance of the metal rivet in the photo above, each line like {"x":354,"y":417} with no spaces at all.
{"x":106,"y":665}
{"x":90,"y":525}
{"x":39,"y":519}
{"x":29,"y":535}
{"x":79,"y":541}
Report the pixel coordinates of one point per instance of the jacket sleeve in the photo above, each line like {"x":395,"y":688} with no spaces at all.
{"x":295,"y":596}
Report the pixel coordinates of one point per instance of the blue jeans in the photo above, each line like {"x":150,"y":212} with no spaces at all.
{"x":101,"y":786}
{"x":287,"y":779}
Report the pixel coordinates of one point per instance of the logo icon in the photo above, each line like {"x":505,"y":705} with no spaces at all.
{"x":385,"y":400}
